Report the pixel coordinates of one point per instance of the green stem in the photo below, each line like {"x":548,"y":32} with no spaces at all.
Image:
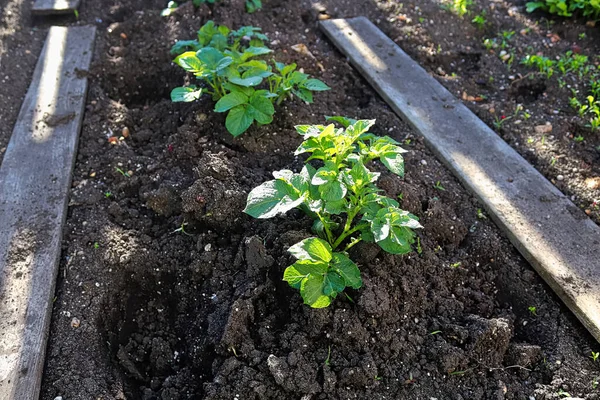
{"x":327,"y":231}
{"x":352,"y":243}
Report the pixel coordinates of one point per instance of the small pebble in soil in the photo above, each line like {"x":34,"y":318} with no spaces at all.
{"x":423,"y":162}
{"x":560,"y":177}
{"x":75,"y":323}
{"x":207,"y":247}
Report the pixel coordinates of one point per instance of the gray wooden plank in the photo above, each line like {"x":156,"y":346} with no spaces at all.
{"x":35,"y":177}
{"x":54,"y":7}
{"x":557,"y":238}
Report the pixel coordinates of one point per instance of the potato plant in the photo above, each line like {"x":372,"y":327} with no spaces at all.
{"x":341,"y":195}
{"x":243,"y":85}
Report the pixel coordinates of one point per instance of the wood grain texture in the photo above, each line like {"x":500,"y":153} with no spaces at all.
{"x":54,"y":7}
{"x":557,"y":238}
{"x":35,"y":177}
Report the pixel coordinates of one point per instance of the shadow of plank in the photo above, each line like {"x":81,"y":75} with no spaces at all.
{"x":35,"y":177}
{"x":557,"y":238}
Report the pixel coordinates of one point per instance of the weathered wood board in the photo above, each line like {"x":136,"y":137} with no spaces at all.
{"x":35,"y":177}
{"x":55,"y":7}
{"x":557,"y":238}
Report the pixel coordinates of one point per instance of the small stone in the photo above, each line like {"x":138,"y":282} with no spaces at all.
{"x":125,"y":132}
{"x":207,"y":247}
{"x":593,"y":183}
{"x":75,"y":323}
{"x":543,"y":129}
{"x":560,"y":177}
{"x":423,"y":162}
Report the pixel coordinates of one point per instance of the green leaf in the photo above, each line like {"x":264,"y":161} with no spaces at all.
{"x":313,"y":249}
{"x":345,"y":122}
{"x":300,"y":270}
{"x":361,"y":126}
{"x":239,"y":120}
{"x":182,"y":45}
{"x":304,"y":95}
{"x":189,"y":61}
{"x":315,"y":85}
{"x":213,"y":59}
{"x":254,"y":52}
{"x":392,"y":230}
{"x":333,"y":284}
{"x":270,"y":199}
{"x":261,"y":108}
{"x":534,"y":5}
{"x":347,"y":269}
{"x":230,"y":101}
{"x":247,"y":82}
{"x":185,"y":94}
{"x":333,"y":191}
{"x":394,"y":162}
{"x":311,"y":290}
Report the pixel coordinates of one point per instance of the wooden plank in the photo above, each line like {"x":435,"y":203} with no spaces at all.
{"x":557,"y":238}
{"x":35,"y":177}
{"x":55,"y":7}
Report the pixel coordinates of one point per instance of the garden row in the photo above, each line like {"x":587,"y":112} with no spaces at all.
{"x":169,"y":290}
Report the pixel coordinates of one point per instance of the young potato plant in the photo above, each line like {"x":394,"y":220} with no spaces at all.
{"x":244,"y":86}
{"x":341,"y":195}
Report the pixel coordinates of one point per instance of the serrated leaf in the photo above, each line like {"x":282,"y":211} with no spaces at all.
{"x":238,"y":120}
{"x":347,"y":269}
{"x":230,"y":101}
{"x":185,"y":94}
{"x":270,"y":199}
{"x":313,"y":249}
{"x":311,"y":290}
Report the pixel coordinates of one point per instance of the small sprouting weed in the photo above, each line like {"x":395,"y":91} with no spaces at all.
{"x":480,"y":20}
{"x":456,"y":264}
{"x":579,"y":138}
{"x":96,"y":245}
{"x":438,"y":186}
{"x":595,"y":382}
{"x":411,"y":380}
{"x":582,"y":36}
{"x":435,"y":332}
{"x":125,"y":174}
{"x":107,"y":194}
{"x":182,"y":229}
{"x":562,"y":393}
{"x":532,"y":310}
{"x":480,"y":214}
{"x":378,"y":378}
{"x":328,"y":359}
{"x":595,"y":356}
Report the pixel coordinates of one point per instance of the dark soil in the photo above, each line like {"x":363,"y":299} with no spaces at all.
{"x":452,"y":49}
{"x":168,"y":291}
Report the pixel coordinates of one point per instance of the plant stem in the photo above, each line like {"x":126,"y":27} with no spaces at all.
{"x":352,"y":243}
